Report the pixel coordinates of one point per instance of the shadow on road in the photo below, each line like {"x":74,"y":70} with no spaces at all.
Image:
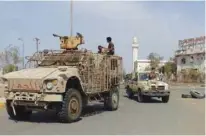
{"x":51,"y":117}
{"x":149,"y":100}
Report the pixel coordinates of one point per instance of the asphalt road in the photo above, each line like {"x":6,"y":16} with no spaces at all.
{"x":179,"y":116}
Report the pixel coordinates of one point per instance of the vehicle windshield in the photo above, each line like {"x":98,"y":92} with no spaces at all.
{"x":143,"y":76}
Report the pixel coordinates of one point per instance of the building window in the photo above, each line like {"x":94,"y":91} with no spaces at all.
{"x":183,"y":60}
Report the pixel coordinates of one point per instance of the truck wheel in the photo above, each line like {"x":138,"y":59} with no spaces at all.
{"x":165,"y":99}
{"x":21,"y":112}
{"x":139,"y":97}
{"x":112,"y":102}
{"x":197,"y":95}
{"x":186,"y":96}
{"x":71,"y":107}
{"x":146,"y":98}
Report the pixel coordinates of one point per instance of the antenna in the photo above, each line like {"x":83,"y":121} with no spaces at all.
{"x":71,"y":17}
{"x":37,"y":44}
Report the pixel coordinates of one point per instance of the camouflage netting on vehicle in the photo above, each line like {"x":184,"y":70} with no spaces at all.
{"x":98,"y":60}
{"x":96,"y":70}
{"x":68,"y":58}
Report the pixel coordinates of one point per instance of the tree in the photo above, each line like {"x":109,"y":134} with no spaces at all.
{"x":9,"y":68}
{"x":170,"y":67}
{"x":9,"y":59}
{"x":128,"y":76}
{"x":154,"y":59}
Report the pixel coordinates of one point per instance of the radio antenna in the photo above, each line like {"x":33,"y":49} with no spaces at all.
{"x":71,"y":17}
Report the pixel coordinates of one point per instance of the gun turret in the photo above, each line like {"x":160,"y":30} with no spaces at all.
{"x":70,"y":42}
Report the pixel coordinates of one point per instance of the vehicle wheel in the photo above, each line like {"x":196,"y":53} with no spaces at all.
{"x":186,"y":96}
{"x":146,"y":98}
{"x":139,"y":97}
{"x":197,"y":95}
{"x":112,"y":101}
{"x":165,"y":99}
{"x":21,"y":112}
{"x":129,"y":93}
{"x":71,"y":107}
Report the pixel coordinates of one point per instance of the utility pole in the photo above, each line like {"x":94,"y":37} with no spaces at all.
{"x":37,"y":44}
{"x":71,"y":17}
{"x":20,"y":39}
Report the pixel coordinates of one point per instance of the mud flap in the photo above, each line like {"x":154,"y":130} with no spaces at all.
{"x":13,"y":108}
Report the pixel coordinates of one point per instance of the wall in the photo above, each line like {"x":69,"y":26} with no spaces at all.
{"x":198,"y":62}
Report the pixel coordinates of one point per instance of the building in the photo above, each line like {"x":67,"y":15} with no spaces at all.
{"x":142,"y":65}
{"x":191,"y":54}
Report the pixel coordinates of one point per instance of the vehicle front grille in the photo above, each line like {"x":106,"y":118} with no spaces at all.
{"x":161,"y":88}
{"x":153,"y":87}
{"x":158,"y":88}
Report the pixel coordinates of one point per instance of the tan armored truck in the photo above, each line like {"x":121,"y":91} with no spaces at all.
{"x":65,"y":81}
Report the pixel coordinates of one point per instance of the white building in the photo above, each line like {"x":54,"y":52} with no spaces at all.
{"x":191,"y":54}
{"x":142,"y":65}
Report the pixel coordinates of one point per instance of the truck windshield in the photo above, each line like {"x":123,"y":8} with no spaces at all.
{"x":143,"y":76}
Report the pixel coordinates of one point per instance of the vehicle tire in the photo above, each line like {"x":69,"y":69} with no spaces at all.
{"x":21,"y":112}
{"x":129,"y":93}
{"x":197,"y":95}
{"x":146,"y":98}
{"x":112,"y":101}
{"x":139,"y":97}
{"x":71,"y":107}
{"x":165,"y":99}
{"x":186,"y":96}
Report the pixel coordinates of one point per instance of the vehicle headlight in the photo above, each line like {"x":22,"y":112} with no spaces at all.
{"x":49,"y":85}
{"x":166,"y":87}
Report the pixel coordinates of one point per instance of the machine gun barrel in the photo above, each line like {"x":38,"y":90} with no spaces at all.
{"x":55,"y":35}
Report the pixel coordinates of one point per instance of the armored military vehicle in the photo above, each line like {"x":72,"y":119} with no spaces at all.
{"x":64,"y":80}
{"x":146,"y":88}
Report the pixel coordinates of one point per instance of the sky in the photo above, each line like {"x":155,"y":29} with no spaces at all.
{"x":157,"y":25}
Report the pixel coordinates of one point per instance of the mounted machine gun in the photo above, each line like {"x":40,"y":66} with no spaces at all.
{"x":70,"y":42}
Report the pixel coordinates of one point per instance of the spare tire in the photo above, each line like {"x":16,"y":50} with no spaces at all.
{"x":197,"y":95}
{"x":186,"y":96}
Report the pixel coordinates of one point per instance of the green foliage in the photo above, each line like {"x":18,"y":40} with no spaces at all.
{"x":170,"y":67}
{"x":9,"y":59}
{"x":9,"y":68}
{"x":191,"y":75}
{"x":154,"y":59}
{"x":128,"y":76}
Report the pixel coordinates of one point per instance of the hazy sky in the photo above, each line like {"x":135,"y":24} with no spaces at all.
{"x":158,"y":25}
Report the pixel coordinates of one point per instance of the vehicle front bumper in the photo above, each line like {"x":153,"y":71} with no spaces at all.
{"x":156,"y":93}
{"x":27,"y":96}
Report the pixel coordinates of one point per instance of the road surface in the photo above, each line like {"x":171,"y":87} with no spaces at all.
{"x":179,"y":116}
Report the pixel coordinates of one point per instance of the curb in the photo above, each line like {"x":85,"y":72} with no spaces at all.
{"x":2,"y":103}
